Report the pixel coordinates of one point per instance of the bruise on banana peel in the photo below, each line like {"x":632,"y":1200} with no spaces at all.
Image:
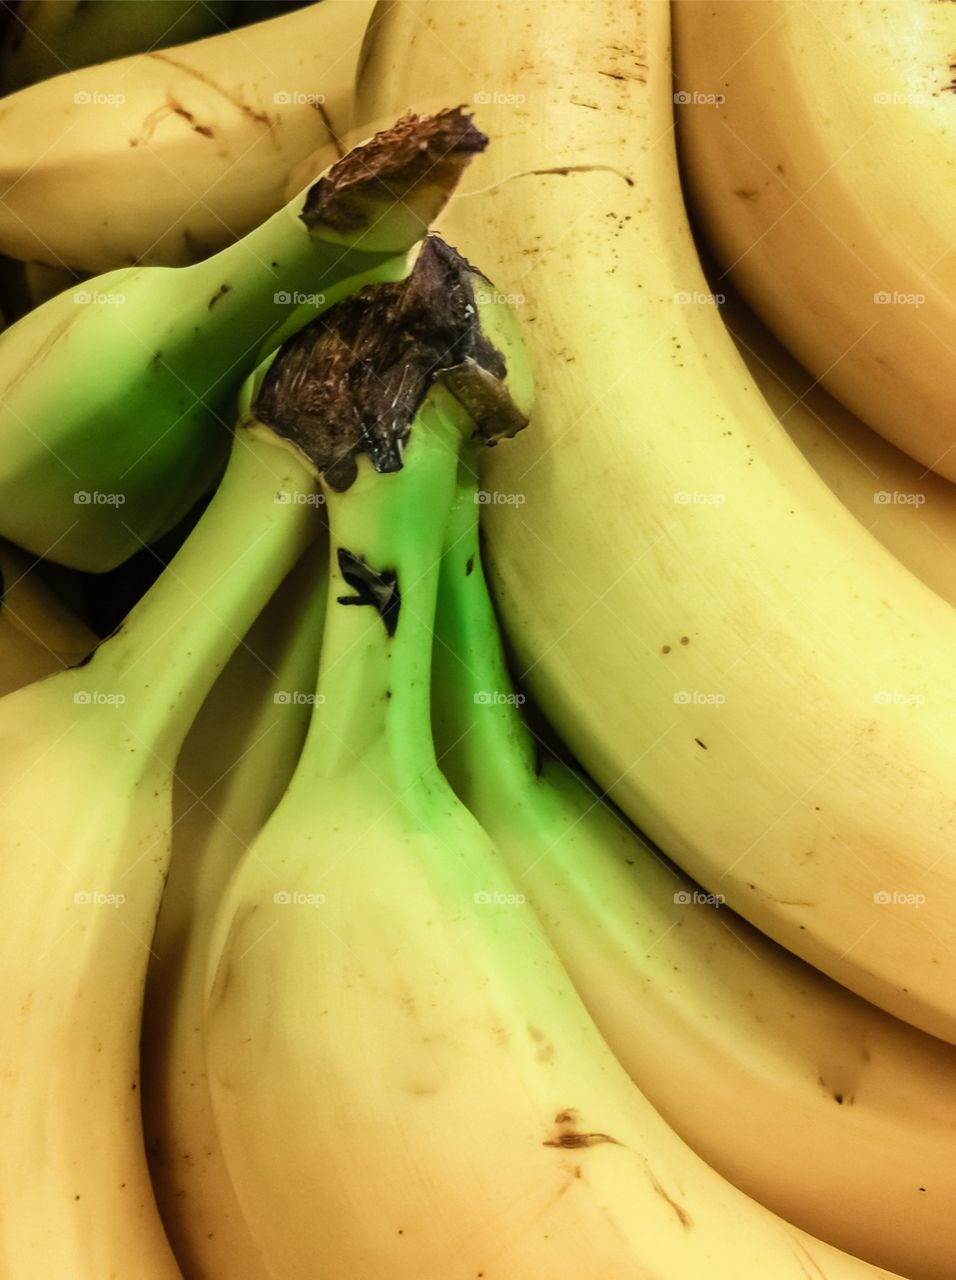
{"x":420,"y":156}
{"x":352,"y":381}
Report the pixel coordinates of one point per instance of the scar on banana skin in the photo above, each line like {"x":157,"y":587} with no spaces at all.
{"x":569,"y":1139}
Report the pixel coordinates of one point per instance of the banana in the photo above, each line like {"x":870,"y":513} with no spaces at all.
{"x":39,"y":634}
{"x":165,"y":157}
{"x":231,"y":773}
{"x":387,"y":1026}
{"x":822,"y":1107}
{"x":801,"y":127}
{"x":911,"y":510}
{"x":116,"y":398}
{"x":80,"y":880}
{"x":760,"y":686}
{"x":46,"y":37}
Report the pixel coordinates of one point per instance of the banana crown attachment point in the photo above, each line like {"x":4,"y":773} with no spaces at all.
{"x":417,"y":162}
{"x":352,"y":382}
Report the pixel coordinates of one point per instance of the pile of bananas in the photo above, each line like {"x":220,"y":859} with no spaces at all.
{"x":321,"y":955}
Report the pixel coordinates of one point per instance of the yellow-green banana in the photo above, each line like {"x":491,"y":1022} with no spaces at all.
{"x":760,"y":685}
{"x":116,"y":397}
{"x":233,"y":768}
{"x":81,"y":878}
{"x":819,"y":1105}
{"x":388,"y":1025}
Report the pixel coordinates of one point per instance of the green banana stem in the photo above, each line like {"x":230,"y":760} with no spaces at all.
{"x":473,"y":687}
{"x":179,"y":636}
{"x":373,"y":691}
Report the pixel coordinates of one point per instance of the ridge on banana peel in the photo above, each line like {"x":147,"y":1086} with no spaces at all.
{"x":762,"y":688}
{"x":372,"y":938}
{"x":167,"y":156}
{"x":80,"y":881}
{"x":823,"y":182}
{"x":232,"y":771}
{"x":911,"y":510}
{"x":817,"y":1104}
{"x":115,"y":398}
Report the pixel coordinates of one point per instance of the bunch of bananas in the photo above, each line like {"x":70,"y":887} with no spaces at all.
{"x":322,"y":956}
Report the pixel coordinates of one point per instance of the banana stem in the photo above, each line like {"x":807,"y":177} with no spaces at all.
{"x":169,"y":651}
{"x":386,"y":536}
{"x":476,"y":710}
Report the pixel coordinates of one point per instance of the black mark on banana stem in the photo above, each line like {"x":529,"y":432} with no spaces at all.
{"x":220,"y":293}
{"x":377,"y":587}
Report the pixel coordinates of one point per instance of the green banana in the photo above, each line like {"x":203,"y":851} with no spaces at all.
{"x":115,"y":398}
{"x":232,"y":771}
{"x":80,"y":880}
